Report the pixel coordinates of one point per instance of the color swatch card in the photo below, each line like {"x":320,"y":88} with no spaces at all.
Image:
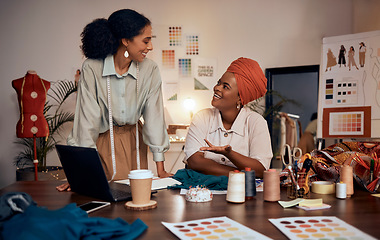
{"x":168,"y":57}
{"x":192,"y":45}
{"x":347,"y":92}
{"x":175,"y":36}
{"x":346,"y":123}
{"x":213,"y":228}
{"x":184,"y":65}
{"x":328,"y":228}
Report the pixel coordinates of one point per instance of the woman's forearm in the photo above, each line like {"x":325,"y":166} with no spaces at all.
{"x":241,"y":162}
{"x":207,"y":166}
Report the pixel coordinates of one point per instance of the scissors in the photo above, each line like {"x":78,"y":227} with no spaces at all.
{"x":291,"y":157}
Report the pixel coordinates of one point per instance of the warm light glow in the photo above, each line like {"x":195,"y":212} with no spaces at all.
{"x":189,"y":104}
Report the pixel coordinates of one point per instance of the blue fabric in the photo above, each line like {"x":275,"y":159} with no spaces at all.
{"x":69,"y":222}
{"x":20,"y":200}
{"x":190,"y":178}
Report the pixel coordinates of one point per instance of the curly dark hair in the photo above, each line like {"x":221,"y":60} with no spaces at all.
{"x":102,"y":37}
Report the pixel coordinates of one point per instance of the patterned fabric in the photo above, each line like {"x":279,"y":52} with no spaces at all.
{"x":327,"y":162}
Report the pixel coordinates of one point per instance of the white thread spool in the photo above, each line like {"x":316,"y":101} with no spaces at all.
{"x":341,"y":190}
{"x":236,"y":187}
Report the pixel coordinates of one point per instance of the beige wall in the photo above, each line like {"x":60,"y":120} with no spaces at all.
{"x":44,"y":35}
{"x":366,"y":16}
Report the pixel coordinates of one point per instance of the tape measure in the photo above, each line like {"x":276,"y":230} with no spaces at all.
{"x":110,"y":122}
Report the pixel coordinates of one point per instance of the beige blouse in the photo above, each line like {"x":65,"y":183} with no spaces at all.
{"x":249,"y":136}
{"x":91,"y":114}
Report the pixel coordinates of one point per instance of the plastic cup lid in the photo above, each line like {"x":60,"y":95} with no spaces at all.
{"x":140,"y":174}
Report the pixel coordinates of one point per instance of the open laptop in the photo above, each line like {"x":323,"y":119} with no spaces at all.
{"x":86,"y":176}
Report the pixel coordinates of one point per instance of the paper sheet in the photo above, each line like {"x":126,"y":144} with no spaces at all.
{"x":213,"y":228}
{"x":305,"y":204}
{"x":319,"y":207}
{"x":297,"y":228}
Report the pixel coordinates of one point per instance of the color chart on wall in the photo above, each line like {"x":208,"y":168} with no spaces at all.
{"x":350,"y":77}
{"x":184,"y":65}
{"x":213,"y":228}
{"x":192,"y":45}
{"x":168,"y":58}
{"x":175,"y":36}
{"x":347,"y":122}
{"x":329,"y":94}
{"x":347,"y":92}
{"x":328,"y":228}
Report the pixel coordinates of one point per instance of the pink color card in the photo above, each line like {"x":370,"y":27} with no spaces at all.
{"x":168,"y":57}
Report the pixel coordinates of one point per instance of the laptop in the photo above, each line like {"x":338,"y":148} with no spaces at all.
{"x":86,"y":176}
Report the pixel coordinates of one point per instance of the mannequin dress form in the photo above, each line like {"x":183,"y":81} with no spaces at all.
{"x":31,"y":94}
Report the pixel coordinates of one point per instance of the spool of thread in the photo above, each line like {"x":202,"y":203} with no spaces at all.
{"x":347,"y":177}
{"x":341,"y":190}
{"x":271,"y":185}
{"x":250,"y":183}
{"x":236,"y":187}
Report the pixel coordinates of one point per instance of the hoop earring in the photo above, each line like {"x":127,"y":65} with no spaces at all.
{"x":126,"y":54}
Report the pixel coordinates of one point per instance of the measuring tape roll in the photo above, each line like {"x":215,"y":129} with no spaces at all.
{"x":323,"y":187}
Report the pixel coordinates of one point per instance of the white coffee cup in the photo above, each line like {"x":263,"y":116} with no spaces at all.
{"x":141,"y":184}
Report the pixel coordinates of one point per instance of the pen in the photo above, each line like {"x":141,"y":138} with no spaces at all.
{"x":371,"y":170}
{"x":292,"y":177}
{"x":296,"y":170}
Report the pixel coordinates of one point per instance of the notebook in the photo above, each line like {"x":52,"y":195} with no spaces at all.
{"x":86,"y":176}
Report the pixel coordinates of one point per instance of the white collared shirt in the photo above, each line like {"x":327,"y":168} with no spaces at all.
{"x":91,"y":114}
{"x":248,"y":136}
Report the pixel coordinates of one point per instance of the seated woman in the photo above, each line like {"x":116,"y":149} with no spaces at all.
{"x":231,"y":136}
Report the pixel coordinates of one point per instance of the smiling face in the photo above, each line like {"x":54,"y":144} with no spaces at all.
{"x":140,"y":45}
{"x":226,"y":94}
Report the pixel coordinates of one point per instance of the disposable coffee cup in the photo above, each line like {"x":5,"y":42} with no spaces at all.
{"x":141,"y":184}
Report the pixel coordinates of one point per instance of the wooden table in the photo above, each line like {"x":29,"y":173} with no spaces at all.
{"x":361,"y":210}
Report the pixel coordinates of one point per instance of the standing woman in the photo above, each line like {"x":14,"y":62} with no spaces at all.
{"x":230,"y":136}
{"x":362,"y":51}
{"x":331,"y":60}
{"x":351,"y":59}
{"x":117,"y":70}
{"x":342,"y":56}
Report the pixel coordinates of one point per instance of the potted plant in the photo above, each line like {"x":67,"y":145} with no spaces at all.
{"x":56,"y":117}
{"x":270,"y":113}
